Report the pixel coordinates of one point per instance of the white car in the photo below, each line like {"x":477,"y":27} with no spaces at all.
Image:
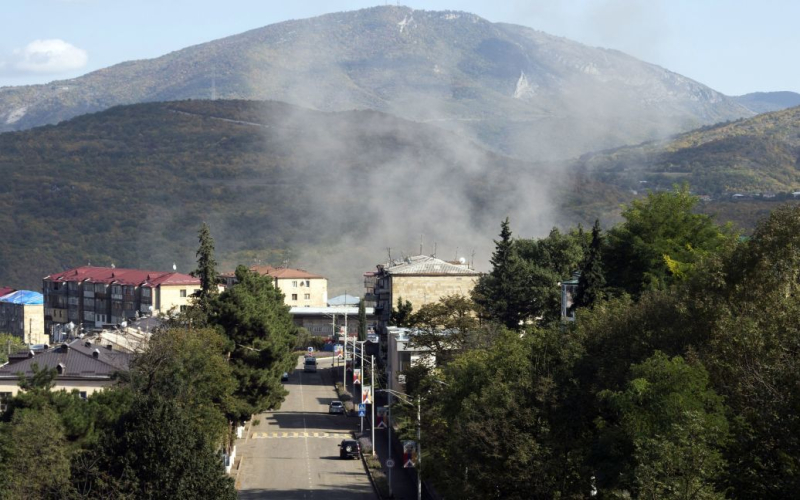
{"x":336,"y":407}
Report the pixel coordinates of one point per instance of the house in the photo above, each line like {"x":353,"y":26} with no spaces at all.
{"x":299,"y":287}
{"x":420,"y":280}
{"x":22,"y":315}
{"x":80,"y":365}
{"x":90,"y":297}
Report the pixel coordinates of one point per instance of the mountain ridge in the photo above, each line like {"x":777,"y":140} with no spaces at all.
{"x":450,"y":68}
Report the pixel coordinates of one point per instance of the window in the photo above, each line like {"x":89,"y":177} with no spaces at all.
{"x":307,"y":296}
{"x":308,"y":282}
{"x":294,"y":296}
{"x":83,"y":395}
{"x":183,"y":308}
{"x":145,"y":292}
{"x":183,"y":293}
{"x":5,"y":397}
{"x":294,"y":284}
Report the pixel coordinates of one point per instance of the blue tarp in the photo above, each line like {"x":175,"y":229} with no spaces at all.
{"x":24,"y":297}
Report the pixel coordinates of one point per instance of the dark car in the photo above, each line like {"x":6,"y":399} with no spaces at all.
{"x":285,"y":377}
{"x":349,"y":448}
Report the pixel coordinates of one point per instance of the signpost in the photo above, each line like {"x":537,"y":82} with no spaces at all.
{"x":389,"y":463}
{"x":362,"y":410}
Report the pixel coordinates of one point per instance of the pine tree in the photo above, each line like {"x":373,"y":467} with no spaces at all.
{"x":362,"y":320}
{"x":402,"y":315}
{"x":206,"y":269}
{"x":500,"y":294}
{"x":592,"y":282}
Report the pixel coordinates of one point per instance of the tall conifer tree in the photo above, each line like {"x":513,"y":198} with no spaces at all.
{"x":206,"y":268}
{"x":592,"y":282}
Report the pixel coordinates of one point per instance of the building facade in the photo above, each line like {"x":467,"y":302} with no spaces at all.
{"x":91,"y":297}
{"x":299,"y":287}
{"x":328,"y":321}
{"x":420,"y":280}
{"x":22,"y":315}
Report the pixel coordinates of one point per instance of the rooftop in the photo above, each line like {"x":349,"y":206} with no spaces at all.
{"x":119,"y":276}
{"x":425,"y":265}
{"x":280,"y":273}
{"x":76,"y":359}
{"x":24,"y":297}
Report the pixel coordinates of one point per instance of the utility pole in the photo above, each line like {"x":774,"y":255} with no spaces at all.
{"x":372,"y":385}
{"x":419,"y":448}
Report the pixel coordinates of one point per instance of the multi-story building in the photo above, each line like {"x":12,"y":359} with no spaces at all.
{"x":420,"y":280}
{"x":22,"y":315}
{"x":300,"y":288}
{"x":91,"y":297}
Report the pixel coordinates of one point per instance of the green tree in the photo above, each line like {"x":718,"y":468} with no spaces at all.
{"x":659,"y":242}
{"x":34,"y":457}
{"x":402,"y":315}
{"x":206,"y":269}
{"x":676,"y":426}
{"x":546,"y":262}
{"x":446,"y":327}
{"x":501,"y":293}
{"x":9,"y":344}
{"x":262,"y":334}
{"x":189,"y":367}
{"x":362,"y":319}
{"x":158,"y":450}
{"x":591,"y":285}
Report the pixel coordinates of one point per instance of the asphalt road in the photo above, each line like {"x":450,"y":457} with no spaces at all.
{"x":293,"y":452}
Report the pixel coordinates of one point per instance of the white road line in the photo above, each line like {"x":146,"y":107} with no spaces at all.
{"x":305,"y":439}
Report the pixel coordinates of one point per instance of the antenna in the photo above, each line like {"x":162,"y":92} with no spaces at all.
{"x":434,"y":249}
{"x":389,"y":251}
{"x":420,"y":243}
{"x":472,"y":260}
{"x":174,"y":267}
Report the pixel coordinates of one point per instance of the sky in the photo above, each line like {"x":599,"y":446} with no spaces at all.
{"x":733,"y":46}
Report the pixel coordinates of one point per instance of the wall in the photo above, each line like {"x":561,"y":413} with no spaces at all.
{"x":421,"y":290}
{"x":88,"y":386}
{"x":317,"y":291}
{"x":23,"y":321}
{"x":170,"y":296}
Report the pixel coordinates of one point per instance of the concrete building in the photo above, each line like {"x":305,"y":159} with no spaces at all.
{"x":420,"y":280}
{"x":91,"y":297}
{"x":22,"y":315}
{"x":325,"y":321}
{"x":401,"y":355}
{"x":299,"y":287}
{"x":79,"y":365}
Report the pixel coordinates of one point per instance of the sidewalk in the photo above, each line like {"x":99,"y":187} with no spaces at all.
{"x":404,"y":481}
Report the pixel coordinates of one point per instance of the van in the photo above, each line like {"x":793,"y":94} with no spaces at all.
{"x":310,"y":364}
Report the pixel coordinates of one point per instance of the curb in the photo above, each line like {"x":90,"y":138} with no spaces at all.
{"x":371,"y":479}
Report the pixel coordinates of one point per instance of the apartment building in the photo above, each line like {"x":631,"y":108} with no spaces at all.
{"x":299,"y":287}
{"x":91,"y":297}
{"x":22,"y":315}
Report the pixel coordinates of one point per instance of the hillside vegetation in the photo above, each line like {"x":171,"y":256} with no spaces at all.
{"x":755,"y":155}
{"x":131,"y":186}
{"x":510,"y":88}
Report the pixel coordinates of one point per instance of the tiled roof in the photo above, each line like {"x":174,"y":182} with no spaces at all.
{"x":77,"y":361}
{"x":428,"y":266}
{"x":280,"y":272}
{"x":135,"y":277}
{"x":5,"y":290}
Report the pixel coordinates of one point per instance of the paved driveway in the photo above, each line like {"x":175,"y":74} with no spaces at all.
{"x":293,"y":452}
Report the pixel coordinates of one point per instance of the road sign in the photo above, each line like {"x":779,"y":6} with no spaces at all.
{"x":389,"y":463}
{"x":362,"y":410}
{"x":310,"y":349}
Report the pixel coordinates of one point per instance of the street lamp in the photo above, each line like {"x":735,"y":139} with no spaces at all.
{"x":403,"y":398}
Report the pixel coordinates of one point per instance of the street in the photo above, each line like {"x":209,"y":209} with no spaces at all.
{"x":293,"y":452}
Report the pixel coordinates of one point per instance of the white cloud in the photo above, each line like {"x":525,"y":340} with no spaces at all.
{"x":47,"y":57}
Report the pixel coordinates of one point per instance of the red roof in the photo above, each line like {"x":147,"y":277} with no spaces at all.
{"x":284,"y":272}
{"x":117,"y":276}
{"x":5,"y":290}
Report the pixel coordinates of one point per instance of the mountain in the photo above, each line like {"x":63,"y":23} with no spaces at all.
{"x":748,"y":156}
{"x":276,"y":183}
{"x":510,"y":88}
{"x":764,"y":102}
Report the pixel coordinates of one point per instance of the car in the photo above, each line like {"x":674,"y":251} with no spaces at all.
{"x":336,"y":407}
{"x":349,"y":448}
{"x":285,"y":377}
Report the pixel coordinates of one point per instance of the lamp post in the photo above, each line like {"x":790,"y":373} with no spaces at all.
{"x":407,"y":401}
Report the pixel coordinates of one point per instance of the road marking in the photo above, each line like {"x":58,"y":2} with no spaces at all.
{"x":295,"y":435}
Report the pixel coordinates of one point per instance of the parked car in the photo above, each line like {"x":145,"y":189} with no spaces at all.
{"x":336,"y":407}
{"x":310,"y":364}
{"x":349,"y":448}
{"x":285,"y":377}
